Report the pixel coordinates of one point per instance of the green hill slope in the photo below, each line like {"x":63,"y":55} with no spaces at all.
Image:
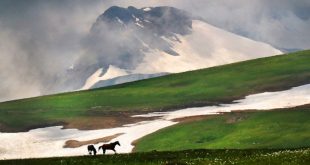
{"x":285,"y":128}
{"x":210,"y":86}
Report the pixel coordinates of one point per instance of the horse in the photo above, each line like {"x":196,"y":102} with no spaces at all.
{"x":91,"y":148}
{"x":110,"y":146}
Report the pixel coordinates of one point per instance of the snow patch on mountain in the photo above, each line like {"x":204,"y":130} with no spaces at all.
{"x":146,"y":9}
{"x":96,"y":77}
{"x":125,"y":79}
{"x":206,"y":46}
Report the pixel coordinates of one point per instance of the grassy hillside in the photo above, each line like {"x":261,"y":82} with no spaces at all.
{"x":288,"y":128}
{"x":189,"y":157}
{"x":195,"y":88}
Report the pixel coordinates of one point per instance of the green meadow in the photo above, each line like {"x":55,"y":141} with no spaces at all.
{"x":277,"y":129}
{"x":187,"y":157}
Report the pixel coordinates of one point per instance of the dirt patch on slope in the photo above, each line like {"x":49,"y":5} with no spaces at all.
{"x":194,"y":118}
{"x":104,"y":121}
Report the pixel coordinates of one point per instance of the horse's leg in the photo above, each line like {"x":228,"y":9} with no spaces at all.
{"x":114,"y":151}
{"x":103,"y":150}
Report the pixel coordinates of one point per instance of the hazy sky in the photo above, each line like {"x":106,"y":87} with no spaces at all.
{"x":39,"y":39}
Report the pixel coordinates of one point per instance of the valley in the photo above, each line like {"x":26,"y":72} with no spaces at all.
{"x":136,"y":127}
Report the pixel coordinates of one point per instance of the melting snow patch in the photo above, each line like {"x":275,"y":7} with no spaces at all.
{"x":264,"y":101}
{"x":49,"y":142}
{"x":147,"y":9}
{"x":120,"y":21}
{"x":145,"y":20}
{"x":137,"y":23}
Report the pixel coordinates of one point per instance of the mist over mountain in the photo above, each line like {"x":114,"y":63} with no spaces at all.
{"x":140,"y":41}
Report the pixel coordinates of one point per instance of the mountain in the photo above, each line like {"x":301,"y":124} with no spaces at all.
{"x":156,"y":40}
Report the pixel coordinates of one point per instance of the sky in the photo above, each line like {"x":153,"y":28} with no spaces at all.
{"x":40,"y":39}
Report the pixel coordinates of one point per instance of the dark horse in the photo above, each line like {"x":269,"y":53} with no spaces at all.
{"x":110,"y":146}
{"x":91,"y":149}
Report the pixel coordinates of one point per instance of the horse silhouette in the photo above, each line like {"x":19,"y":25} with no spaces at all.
{"x":110,"y":146}
{"x":91,"y":149}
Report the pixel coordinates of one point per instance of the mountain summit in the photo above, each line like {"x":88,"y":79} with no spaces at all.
{"x":159,"y":20}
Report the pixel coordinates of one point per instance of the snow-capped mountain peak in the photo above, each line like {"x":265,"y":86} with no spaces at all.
{"x":154,"y":40}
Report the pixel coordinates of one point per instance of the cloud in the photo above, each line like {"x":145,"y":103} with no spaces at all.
{"x":281,"y":23}
{"x":39,"y":40}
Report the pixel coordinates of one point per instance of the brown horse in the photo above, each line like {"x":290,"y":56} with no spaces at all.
{"x":110,"y":146}
{"x":91,"y":149}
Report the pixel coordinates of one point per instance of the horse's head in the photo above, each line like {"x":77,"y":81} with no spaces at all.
{"x":117,"y":143}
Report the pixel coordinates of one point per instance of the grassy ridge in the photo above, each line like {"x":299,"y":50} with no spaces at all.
{"x":287,"y":128}
{"x":195,"y":88}
{"x":189,"y":157}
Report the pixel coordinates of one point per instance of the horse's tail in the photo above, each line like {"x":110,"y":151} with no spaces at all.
{"x":99,"y":148}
